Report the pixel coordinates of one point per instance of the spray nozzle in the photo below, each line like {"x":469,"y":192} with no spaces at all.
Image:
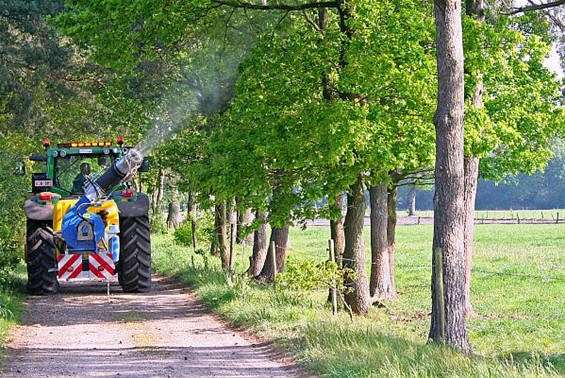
{"x":129,"y":163}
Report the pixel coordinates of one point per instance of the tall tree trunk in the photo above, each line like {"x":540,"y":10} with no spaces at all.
{"x":157,"y":200}
{"x":244,"y":220}
{"x":173,"y":218}
{"x":476,"y":9}
{"x":357,"y":295}
{"x":221,"y":248}
{"x":412,"y":208}
{"x":259,"y":246}
{"x":232,"y":233}
{"x":336,"y":228}
{"x":157,"y":195}
{"x":380,"y":284}
{"x":392,"y":198}
{"x":192,"y":214}
{"x":280,"y":237}
{"x":448,"y":323}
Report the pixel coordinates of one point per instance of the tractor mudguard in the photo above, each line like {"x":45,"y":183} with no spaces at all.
{"x":137,"y":208}
{"x":38,"y":211}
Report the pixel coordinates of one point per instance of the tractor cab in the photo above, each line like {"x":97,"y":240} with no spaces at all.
{"x":69,"y":167}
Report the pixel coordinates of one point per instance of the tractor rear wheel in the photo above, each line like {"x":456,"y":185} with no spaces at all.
{"x":134,"y":270}
{"x":41,"y":260}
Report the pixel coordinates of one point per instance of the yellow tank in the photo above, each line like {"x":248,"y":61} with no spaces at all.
{"x":62,"y":206}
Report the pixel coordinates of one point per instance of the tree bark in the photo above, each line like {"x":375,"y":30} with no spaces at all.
{"x":157,"y":195}
{"x":220,"y":245}
{"x":232,"y":233}
{"x":412,"y":208}
{"x":357,"y":286}
{"x":259,"y":246}
{"x":173,"y":218}
{"x":244,"y":220}
{"x":192,"y":214}
{"x":380,"y":284}
{"x":391,"y":229}
{"x":476,"y":9}
{"x":336,"y":228}
{"x":448,"y":323}
{"x":280,"y":237}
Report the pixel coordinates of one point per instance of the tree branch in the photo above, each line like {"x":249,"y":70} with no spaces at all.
{"x":285,"y":7}
{"x":534,"y":7}
{"x":311,"y":22}
{"x":552,"y":17}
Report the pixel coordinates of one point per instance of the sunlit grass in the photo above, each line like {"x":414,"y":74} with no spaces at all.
{"x":518,"y":286}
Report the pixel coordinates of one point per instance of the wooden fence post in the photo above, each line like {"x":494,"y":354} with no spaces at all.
{"x":333,"y":289}
{"x":274,"y":261}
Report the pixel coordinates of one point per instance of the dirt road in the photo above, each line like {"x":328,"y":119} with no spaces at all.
{"x":166,"y":333}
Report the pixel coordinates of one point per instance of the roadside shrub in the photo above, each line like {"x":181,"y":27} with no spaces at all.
{"x":204,"y":231}
{"x":10,"y":248}
{"x":308,"y":275}
{"x":183,"y":234}
{"x":158,"y":224}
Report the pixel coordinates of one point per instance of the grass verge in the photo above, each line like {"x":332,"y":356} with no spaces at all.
{"x":518,"y":282}
{"x":11,"y":307}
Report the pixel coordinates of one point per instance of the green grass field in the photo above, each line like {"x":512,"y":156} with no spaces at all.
{"x":518,"y":285}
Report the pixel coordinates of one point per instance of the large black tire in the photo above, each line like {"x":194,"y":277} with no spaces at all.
{"x":41,"y":259}
{"x":134,"y":269}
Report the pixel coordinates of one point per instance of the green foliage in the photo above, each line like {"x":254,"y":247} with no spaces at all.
{"x":183,"y":234}
{"x":279,"y":113}
{"x":158,"y":224}
{"x":204,"y":231}
{"x":307,"y":275}
{"x":522,"y":112}
{"x":12,"y":217}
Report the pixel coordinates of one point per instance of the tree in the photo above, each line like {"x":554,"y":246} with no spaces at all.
{"x":381,"y":284}
{"x":499,"y":133}
{"x":448,"y":323}
{"x":260,"y":246}
{"x":356,"y":284}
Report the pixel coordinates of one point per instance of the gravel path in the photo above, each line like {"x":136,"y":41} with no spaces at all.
{"x":82,"y":332}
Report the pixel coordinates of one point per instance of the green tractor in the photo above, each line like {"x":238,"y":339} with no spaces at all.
{"x":84,"y":219}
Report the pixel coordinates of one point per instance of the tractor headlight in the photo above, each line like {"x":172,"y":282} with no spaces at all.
{"x":106,"y":151}
{"x":54,"y":153}
{"x":63,"y":153}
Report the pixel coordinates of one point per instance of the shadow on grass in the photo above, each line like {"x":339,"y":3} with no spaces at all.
{"x":551,"y":361}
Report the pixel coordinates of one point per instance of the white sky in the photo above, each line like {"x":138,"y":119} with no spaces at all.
{"x":553,"y":61}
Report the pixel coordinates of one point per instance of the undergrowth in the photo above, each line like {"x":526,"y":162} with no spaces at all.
{"x":11,"y":297}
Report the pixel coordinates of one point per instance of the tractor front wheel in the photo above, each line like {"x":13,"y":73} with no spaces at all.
{"x":41,"y":260}
{"x":134,"y":272}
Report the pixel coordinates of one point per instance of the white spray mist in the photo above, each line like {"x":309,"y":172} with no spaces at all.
{"x":204,"y":88}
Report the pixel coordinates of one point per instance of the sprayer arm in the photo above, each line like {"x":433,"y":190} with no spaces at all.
{"x":122,"y":168}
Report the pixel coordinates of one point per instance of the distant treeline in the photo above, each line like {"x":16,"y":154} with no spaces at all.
{"x":539,"y":191}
